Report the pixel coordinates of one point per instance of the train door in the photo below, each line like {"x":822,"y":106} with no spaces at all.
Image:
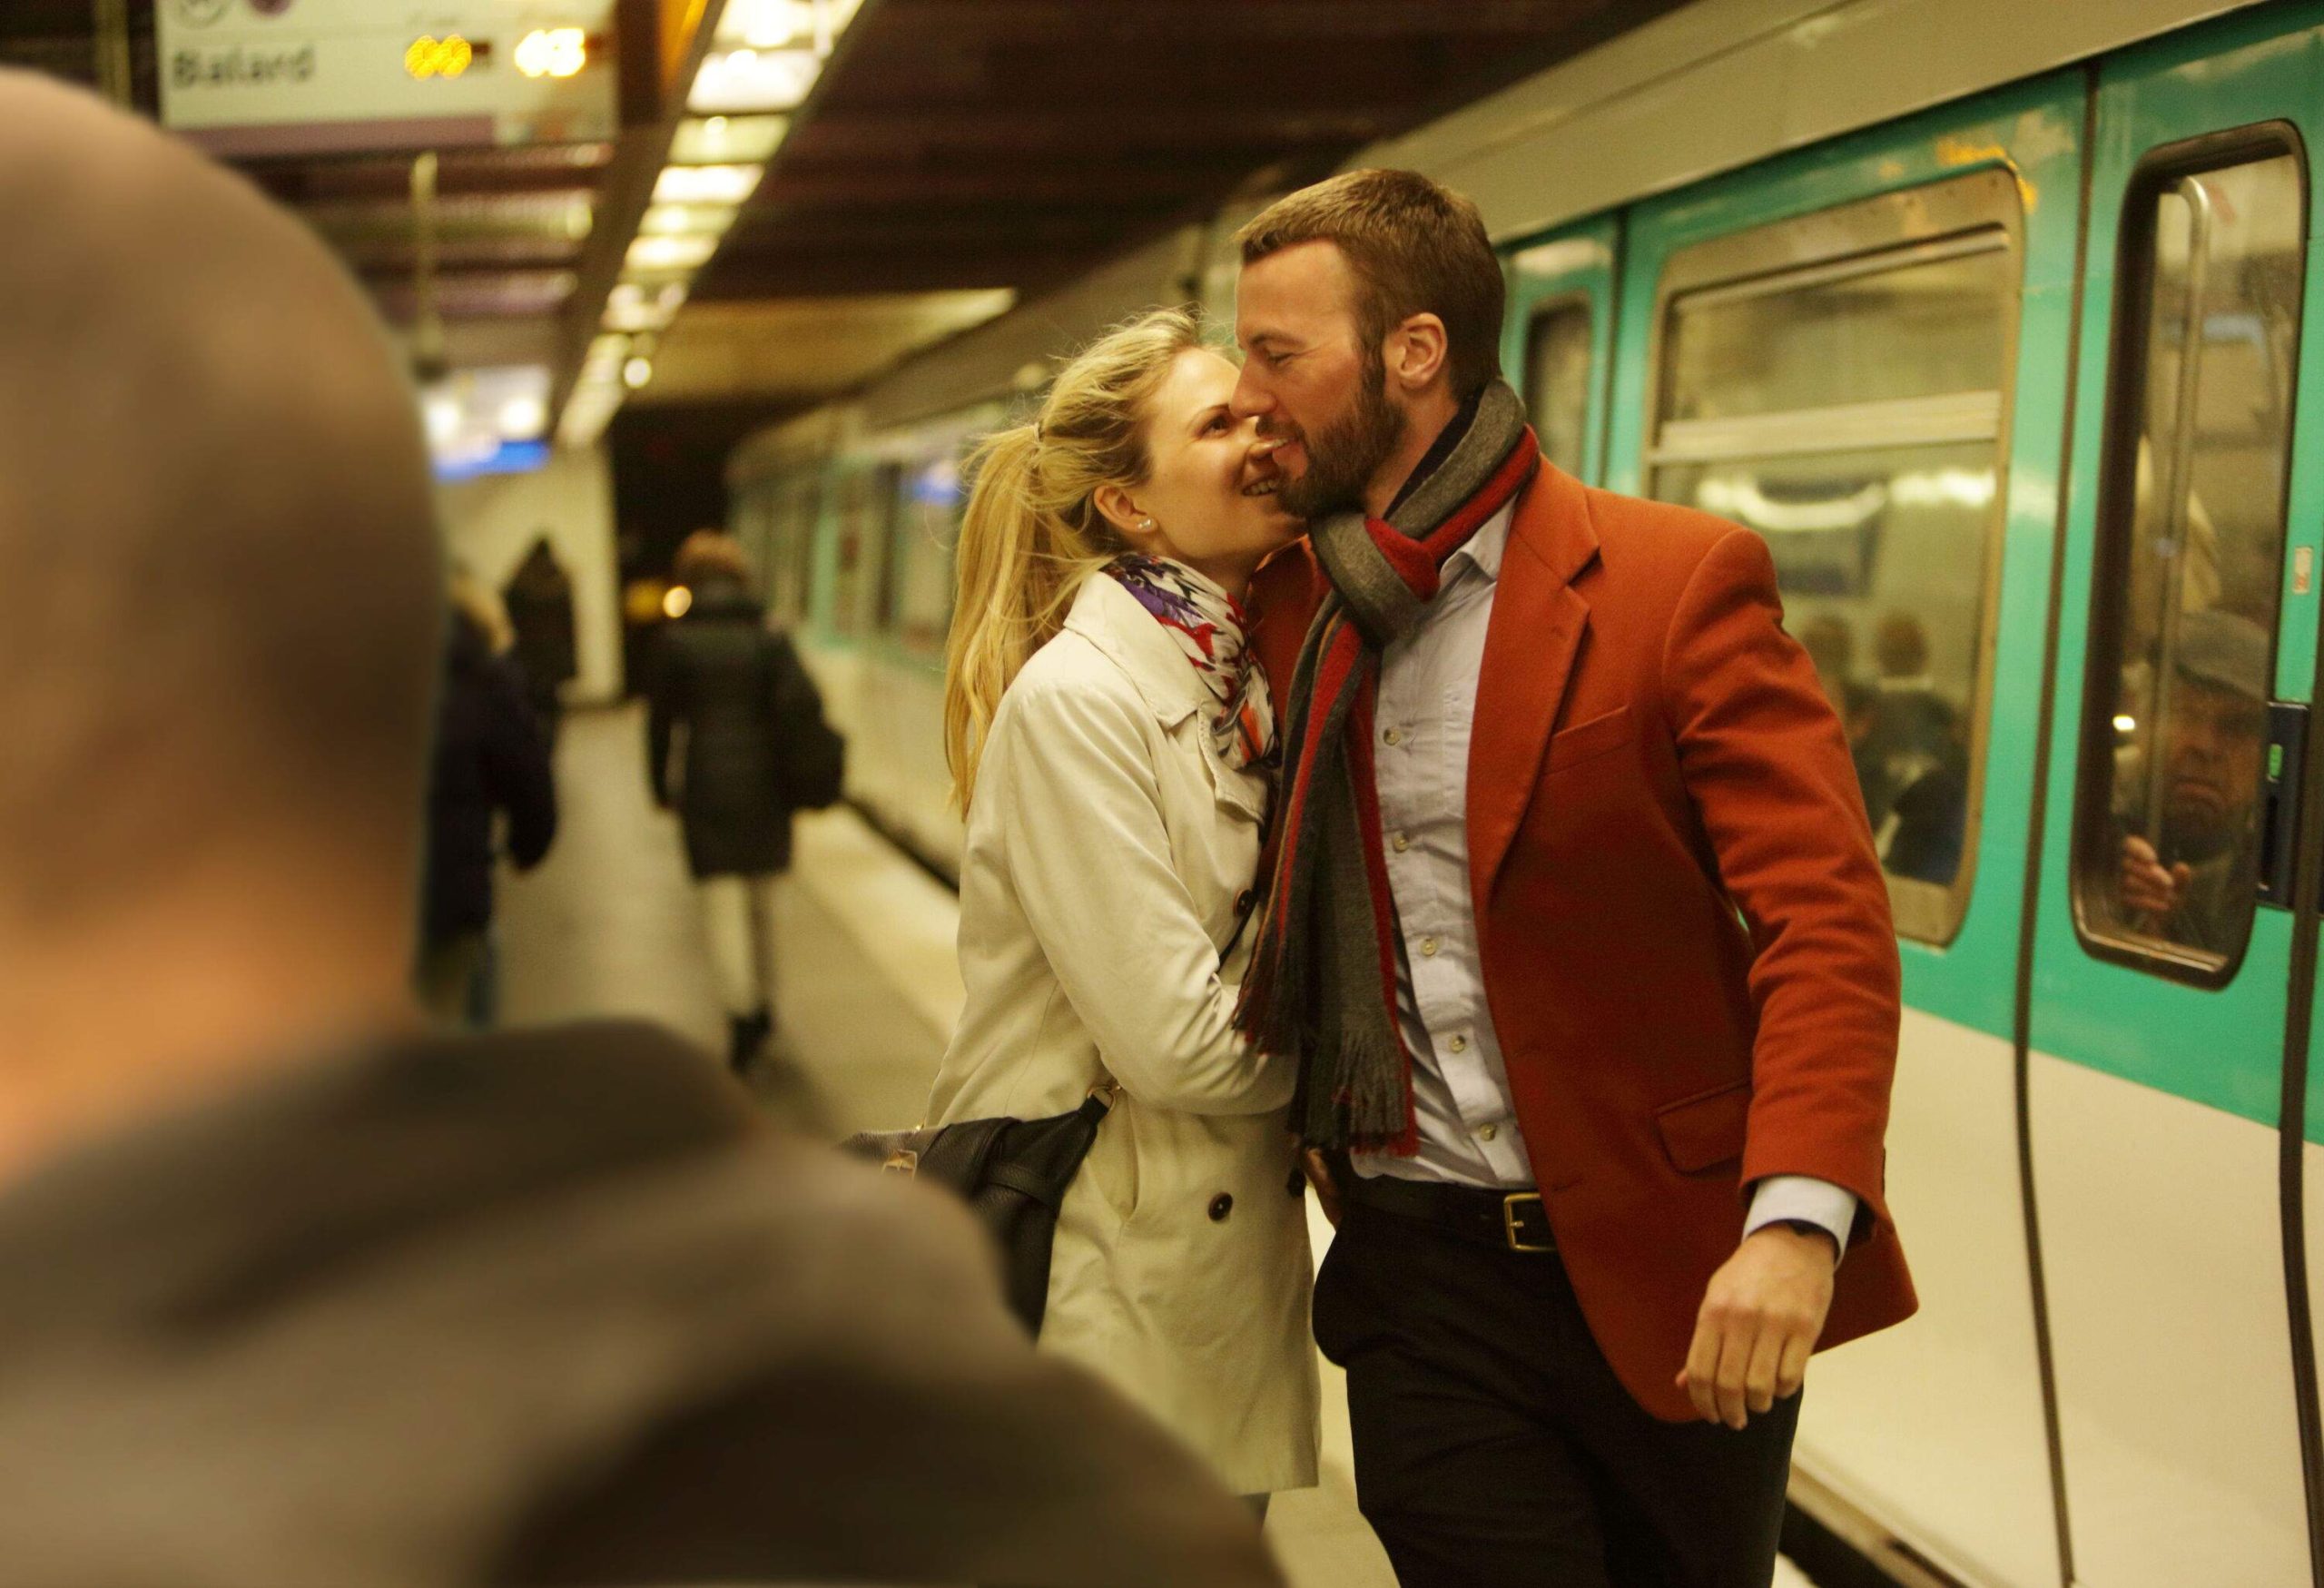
{"x":1559,"y":347}
{"x":2186,"y":652}
{"x":1861,"y":355}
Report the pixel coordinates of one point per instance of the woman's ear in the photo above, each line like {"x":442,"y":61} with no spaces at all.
{"x":1115,"y":505}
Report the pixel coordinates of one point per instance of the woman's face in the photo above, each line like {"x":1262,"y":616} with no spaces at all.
{"x":1211,"y":483}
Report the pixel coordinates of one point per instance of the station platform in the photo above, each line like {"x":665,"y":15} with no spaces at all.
{"x":868,"y":989}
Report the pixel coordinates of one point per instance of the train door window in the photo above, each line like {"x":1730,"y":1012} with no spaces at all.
{"x":2191,"y":553}
{"x":1840,"y":384}
{"x":862,"y":533}
{"x":1557,"y":378}
{"x":929,"y":525}
{"x":892,"y":514}
{"x":805,"y":509}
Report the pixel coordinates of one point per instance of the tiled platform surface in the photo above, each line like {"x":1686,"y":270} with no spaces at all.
{"x":867,"y":991}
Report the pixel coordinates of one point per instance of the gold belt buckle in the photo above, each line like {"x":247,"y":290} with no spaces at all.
{"x":1512,"y":1222}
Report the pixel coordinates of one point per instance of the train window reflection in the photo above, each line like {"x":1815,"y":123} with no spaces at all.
{"x":1847,"y":406}
{"x":1556,"y":379}
{"x":2191,"y":526}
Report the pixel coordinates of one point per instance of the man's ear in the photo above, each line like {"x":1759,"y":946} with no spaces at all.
{"x":1415,"y":352}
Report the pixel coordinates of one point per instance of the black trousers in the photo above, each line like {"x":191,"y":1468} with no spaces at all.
{"x":1495,"y":1447}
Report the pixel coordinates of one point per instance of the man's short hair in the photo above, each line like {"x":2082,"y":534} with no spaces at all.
{"x":1415,"y":247}
{"x":221,"y":584}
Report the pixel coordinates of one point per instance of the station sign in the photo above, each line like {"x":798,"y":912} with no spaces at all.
{"x":250,"y":78}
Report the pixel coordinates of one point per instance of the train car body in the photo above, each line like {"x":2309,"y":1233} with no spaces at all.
{"x":1991,"y":320}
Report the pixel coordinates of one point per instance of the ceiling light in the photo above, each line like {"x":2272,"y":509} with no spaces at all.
{"x":587,"y":412}
{"x":553,"y":52}
{"x":635,"y":305}
{"x":767,"y":24}
{"x":706,"y":184}
{"x":442,"y":414}
{"x":671,"y":253}
{"x":753,"y":80}
{"x":636,"y":373}
{"x":687,"y":220}
{"x":727,"y":138}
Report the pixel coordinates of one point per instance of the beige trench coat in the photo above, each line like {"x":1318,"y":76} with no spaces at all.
{"x":1108,"y":847}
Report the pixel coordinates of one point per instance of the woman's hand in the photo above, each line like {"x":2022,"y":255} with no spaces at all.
{"x":1319,"y":1176}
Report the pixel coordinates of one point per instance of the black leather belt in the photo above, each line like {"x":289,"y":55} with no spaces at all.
{"x":1512,"y":1220}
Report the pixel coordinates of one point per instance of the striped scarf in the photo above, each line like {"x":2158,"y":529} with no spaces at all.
{"x":1322,"y":987}
{"x":1209,"y":626}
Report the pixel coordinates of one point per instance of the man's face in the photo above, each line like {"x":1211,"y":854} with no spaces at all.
{"x":1311,"y":379}
{"x":2214,"y":743}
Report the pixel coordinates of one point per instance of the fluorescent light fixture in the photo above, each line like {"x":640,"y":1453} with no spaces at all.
{"x":767,"y":24}
{"x":716,"y":139}
{"x":635,"y":306}
{"x":671,"y":253}
{"x":587,"y":412}
{"x":687,"y":220}
{"x":743,"y":81}
{"x":443,"y":412}
{"x":638,"y":373}
{"x":706,"y":184}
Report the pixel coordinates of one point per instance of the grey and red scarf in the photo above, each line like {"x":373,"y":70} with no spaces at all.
{"x":1322,"y":986}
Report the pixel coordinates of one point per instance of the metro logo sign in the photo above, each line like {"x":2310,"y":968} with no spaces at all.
{"x":258,"y":77}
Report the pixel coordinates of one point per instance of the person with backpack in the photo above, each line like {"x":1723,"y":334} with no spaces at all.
{"x":736,"y":743}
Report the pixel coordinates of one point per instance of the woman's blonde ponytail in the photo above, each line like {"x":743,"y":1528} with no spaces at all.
{"x":1032,"y":533}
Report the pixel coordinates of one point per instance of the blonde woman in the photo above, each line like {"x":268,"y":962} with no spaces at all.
{"x":1110,"y":739}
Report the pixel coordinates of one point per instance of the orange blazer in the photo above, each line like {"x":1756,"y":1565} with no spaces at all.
{"x":1686,"y":938}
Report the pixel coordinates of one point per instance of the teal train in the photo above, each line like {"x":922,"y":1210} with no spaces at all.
{"x":1989,"y":315}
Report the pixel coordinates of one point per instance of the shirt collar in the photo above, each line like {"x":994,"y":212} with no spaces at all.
{"x":1484,"y":549}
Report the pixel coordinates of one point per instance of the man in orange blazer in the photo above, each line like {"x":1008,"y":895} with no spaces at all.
{"x":1576,"y":930}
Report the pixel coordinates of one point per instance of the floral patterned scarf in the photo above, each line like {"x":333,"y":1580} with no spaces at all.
{"x":1208,"y":624}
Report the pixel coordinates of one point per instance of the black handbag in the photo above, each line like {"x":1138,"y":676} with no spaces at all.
{"x":813,"y":766}
{"x":1013,"y":1175}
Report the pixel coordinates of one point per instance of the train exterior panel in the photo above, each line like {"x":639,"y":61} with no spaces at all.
{"x":2006,"y":372}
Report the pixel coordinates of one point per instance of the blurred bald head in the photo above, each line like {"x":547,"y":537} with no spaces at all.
{"x":219,"y":569}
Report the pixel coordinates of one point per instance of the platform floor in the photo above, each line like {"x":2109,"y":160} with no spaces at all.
{"x":866,"y":994}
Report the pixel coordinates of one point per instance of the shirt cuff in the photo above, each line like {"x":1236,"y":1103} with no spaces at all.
{"x":1780,"y":1197}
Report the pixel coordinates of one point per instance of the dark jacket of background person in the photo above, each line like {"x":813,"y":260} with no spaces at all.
{"x":540,"y":609}
{"x":740,"y":696}
{"x":548,"y":1307}
{"x":491,"y":758}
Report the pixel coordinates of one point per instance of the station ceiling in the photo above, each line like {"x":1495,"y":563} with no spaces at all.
{"x":954,"y":147}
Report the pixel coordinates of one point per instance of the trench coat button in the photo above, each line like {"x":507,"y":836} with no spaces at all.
{"x":1244,"y":900}
{"x":1220,"y":1207}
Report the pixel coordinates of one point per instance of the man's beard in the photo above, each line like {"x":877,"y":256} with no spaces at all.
{"x":1341,"y":459}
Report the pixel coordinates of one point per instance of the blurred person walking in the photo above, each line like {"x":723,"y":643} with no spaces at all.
{"x":491,"y":765}
{"x":539,"y":598}
{"x":1112,"y":737}
{"x":293,"y":1292}
{"x":732,"y":719}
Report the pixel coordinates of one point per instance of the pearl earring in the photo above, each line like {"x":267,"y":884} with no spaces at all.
{"x":1147,"y":525}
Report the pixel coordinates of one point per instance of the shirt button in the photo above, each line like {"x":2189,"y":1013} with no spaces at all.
{"x":1428,"y":948}
{"x":1459,"y":1044}
{"x":1401,"y":842}
{"x":1487,"y":1132}
{"x":1393,"y":735}
{"x":1220,"y":1207}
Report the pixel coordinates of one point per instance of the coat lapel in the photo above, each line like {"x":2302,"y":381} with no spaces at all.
{"x":1535,"y":632}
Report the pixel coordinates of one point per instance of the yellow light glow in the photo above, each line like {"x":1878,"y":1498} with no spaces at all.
{"x":430,"y":56}
{"x":553,"y":52}
{"x":678,"y":602}
{"x":2126,"y":725}
{"x":638,"y":373}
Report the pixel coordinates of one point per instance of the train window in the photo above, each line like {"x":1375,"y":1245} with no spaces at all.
{"x":2191,"y":553}
{"x":805,"y":511}
{"x":867,"y":498}
{"x":1557,"y":378}
{"x":1839,"y":384}
{"x":893,"y":514}
{"x":928,"y":527}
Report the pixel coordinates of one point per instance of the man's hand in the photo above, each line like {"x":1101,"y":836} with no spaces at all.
{"x":1319,"y":1175}
{"x":1760,"y":1319}
{"x":2148,"y":889}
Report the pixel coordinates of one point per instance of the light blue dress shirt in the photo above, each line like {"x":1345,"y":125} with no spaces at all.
{"x":1469,"y":1133}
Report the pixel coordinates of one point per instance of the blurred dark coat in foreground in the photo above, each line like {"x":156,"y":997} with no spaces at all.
{"x":491,"y":758}
{"x":547,"y":1308}
{"x":743,"y":702}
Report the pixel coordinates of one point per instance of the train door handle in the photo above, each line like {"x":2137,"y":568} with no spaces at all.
{"x":2279,"y":801}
